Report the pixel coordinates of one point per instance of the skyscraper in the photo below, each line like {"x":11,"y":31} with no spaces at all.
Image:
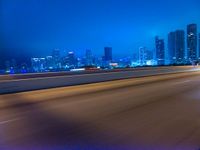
{"x":72,"y":61}
{"x":176,"y":46}
{"x":89,"y":58}
{"x":180,"y":46}
{"x":199,"y":45}
{"x":160,"y":50}
{"x":172,"y":47}
{"x":108,"y":53}
{"x":192,"y":42}
{"x":144,"y":56}
{"x":56,"y":58}
{"x":38,"y":64}
{"x":49,"y":62}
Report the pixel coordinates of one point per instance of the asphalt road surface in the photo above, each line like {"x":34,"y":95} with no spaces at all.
{"x":150,"y":113}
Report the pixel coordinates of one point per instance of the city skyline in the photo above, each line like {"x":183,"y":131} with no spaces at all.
{"x":182,"y":48}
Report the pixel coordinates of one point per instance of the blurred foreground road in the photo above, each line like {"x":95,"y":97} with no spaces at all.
{"x":158,"y":113}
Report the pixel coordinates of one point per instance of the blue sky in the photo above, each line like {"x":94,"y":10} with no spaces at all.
{"x":35,"y":27}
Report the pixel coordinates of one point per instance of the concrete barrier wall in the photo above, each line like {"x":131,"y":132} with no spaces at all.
{"x":65,"y":73}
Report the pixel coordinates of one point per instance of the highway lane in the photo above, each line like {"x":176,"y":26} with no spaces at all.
{"x":159,"y":112}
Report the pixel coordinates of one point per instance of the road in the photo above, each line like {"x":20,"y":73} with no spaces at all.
{"x":149,"y":113}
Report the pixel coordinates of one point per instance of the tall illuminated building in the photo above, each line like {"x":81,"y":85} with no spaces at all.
{"x":142,"y":56}
{"x":180,"y":46}
{"x":176,"y":46}
{"x":56,"y":59}
{"x":89,"y":58}
{"x":38,"y":64}
{"x":49,"y":62}
{"x":199,"y":45}
{"x":160,"y":50}
{"x":72,"y":61}
{"x":108,"y":53}
{"x":145,"y":56}
{"x":192,"y":42}
{"x":172,"y":47}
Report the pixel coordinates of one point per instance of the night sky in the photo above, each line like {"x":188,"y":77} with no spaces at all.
{"x":35,"y":27}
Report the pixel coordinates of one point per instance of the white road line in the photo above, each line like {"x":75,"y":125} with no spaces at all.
{"x":8,"y":121}
{"x":182,"y":82}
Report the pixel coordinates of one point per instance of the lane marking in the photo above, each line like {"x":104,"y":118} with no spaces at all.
{"x":182,"y":82}
{"x":8,"y":121}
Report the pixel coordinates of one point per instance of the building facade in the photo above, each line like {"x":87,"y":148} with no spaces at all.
{"x":88,"y":58}
{"x":176,"y":47}
{"x":172,"y":47}
{"x":160,"y":50}
{"x":56,"y":59}
{"x":38,"y":64}
{"x":145,"y":56}
{"x":142,"y":56}
{"x":192,"y":42}
{"x":199,"y":46}
{"x":180,"y":46}
{"x":108,"y":53}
